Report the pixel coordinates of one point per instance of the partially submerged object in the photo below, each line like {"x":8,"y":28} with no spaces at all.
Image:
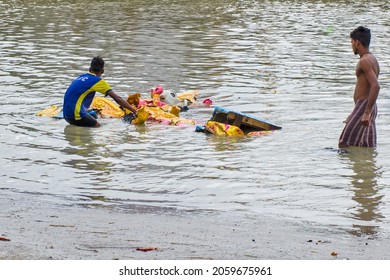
{"x":107,"y":108}
{"x":225,"y":122}
{"x":51,"y":111}
{"x":146,"y":109}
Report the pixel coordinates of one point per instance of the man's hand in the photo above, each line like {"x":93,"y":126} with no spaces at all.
{"x":129,"y":117}
{"x":366,"y":119}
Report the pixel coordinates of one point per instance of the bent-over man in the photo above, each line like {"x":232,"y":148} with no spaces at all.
{"x":80,"y":93}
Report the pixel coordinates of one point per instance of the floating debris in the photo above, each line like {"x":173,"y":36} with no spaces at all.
{"x":147,"y":249}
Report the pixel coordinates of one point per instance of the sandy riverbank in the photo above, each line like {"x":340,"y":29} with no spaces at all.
{"x":40,"y":229}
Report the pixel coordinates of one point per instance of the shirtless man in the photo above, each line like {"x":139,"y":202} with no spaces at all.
{"x":360,"y":129}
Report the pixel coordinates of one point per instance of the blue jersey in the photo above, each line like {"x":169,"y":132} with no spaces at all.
{"x":80,"y":93}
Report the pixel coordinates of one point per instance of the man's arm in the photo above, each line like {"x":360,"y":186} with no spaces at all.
{"x":373,"y":83}
{"x":121,"y":101}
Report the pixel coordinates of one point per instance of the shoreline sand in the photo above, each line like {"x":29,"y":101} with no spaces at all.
{"x":40,"y":229}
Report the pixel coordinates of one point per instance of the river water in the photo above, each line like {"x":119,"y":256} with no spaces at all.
{"x":289,"y":62}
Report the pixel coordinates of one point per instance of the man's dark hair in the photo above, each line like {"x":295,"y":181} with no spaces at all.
{"x":97,"y":64}
{"x":363,"y":35}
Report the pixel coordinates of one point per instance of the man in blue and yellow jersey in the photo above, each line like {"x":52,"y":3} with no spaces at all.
{"x":80,"y":93}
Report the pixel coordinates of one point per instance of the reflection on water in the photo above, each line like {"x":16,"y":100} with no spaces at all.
{"x":365,"y":189}
{"x":226,"y":144}
{"x":80,"y":139}
{"x":86,"y":153}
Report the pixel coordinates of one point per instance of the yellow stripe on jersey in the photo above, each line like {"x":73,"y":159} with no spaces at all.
{"x":102,"y":86}
{"x":78,"y":104}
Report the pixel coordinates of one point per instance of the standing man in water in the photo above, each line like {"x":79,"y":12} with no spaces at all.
{"x":80,"y":93}
{"x":360,"y":129}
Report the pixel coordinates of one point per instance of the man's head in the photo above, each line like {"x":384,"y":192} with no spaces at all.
{"x":97,"y":66}
{"x":360,"y":36}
